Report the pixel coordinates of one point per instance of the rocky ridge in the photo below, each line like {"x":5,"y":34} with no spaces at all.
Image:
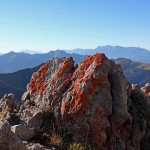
{"x":92,"y":103}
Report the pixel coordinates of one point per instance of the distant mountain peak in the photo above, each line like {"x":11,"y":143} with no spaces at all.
{"x":13,"y":61}
{"x":32,"y":52}
{"x":114,"y":52}
{"x":11,"y":52}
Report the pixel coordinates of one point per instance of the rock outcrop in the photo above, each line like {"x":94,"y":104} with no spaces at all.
{"x":8,"y":140}
{"x":7,"y":102}
{"x":92,"y":100}
{"x":146,"y":89}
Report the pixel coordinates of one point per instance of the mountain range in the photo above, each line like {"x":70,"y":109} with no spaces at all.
{"x":12,"y":61}
{"x":32,"y":52}
{"x":135,"y":72}
{"x":114,"y":52}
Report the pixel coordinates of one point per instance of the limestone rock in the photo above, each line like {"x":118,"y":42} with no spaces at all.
{"x":23,"y":132}
{"x":146,"y":89}
{"x":37,"y":146}
{"x":8,"y":140}
{"x":6,"y":102}
{"x":34,"y":120}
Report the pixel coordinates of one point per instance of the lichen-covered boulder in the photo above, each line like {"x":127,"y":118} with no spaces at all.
{"x":7,"y":102}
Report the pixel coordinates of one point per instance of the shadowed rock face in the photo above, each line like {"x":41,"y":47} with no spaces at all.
{"x":92,"y":100}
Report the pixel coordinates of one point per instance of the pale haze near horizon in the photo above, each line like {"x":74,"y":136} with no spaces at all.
{"x":49,"y":25}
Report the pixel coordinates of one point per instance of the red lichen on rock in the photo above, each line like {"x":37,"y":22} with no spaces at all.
{"x":37,"y":82}
{"x":98,"y":129}
{"x":52,"y":77}
{"x":60,"y":79}
{"x":67,"y":65}
{"x":63,"y":74}
{"x":85,"y":80}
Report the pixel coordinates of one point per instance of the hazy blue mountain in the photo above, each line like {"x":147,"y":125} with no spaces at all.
{"x":16,"y":82}
{"x":32,"y":52}
{"x":4,"y":89}
{"x":12,"y":61}
{"x":135,"y":72}
{"x":114,"y":52}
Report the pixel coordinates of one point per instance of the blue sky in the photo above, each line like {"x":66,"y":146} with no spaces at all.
{"x":67,"y":24}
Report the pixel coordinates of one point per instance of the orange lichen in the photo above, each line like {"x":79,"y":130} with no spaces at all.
{"x":80,"y":99}
{"x":37,"y":81}
{"x":98,"y":129}
{"x":61,"y":79}
{"x":64,"y":106}
{"x":52,"y":81}
{"x":63,"y":73}
{"x":54,"y":90}
{"x":67,"y":65}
